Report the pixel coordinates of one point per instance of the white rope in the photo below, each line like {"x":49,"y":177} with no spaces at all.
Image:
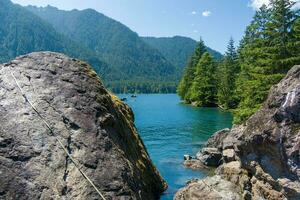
{"x":58,"y":140}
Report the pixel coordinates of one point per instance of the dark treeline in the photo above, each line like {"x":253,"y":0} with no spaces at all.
{"x":242,"y":79}
{"x":130,"y":87}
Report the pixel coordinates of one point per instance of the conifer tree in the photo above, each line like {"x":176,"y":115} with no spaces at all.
{"x":188,"y":76}
{"x":294,"y":45}
{"x":264,"y":55}
{"x":257,"y":71}
{"x":203,"y":90}
{"x":283,"y":17}
{"x":227,"y":73}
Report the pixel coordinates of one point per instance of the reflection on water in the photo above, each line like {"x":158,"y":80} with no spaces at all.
{"x":170,"y":130}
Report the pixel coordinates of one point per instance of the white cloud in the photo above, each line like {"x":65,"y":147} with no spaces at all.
{"x":193,"y":12}
{"x":195,"y":31}
{"x":256,"y":4}
{"x":206,"y":13}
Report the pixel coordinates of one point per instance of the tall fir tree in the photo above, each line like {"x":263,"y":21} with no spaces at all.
{"x":227,"y":72}
{"x":188,"y":76}
{"x":294,"y":46}
{"x":257,"y":72}
{"x":264,"y":55}
{"x":203,"y":90}
{"x":283,"y":16}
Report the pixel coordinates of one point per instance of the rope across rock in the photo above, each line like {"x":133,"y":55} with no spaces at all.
{"x":57,"y":139}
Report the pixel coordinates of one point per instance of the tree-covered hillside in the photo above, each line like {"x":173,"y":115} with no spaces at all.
{"x":268,"y":50}
{"x":22,"y":32}
{"x":177,"y":49}
{"x":124,"y":61}
{"x":116,"y":44}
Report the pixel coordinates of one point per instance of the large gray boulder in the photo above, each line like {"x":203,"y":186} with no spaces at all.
{"x":261,"y":157}
{"x":95,"y":127}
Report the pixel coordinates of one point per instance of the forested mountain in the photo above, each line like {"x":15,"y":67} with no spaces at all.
{"x":126,"y":62}
{"x":268,"y":50}
{"x":22,"y":32}
{"x":177,"y":49}
{"x":116,"y":44}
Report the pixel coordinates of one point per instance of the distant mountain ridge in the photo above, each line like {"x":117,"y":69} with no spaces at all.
{"x":115,"y":43}
{"x":125,"y":61}
{"x":177,"y":49}
{"x":22,"y":32}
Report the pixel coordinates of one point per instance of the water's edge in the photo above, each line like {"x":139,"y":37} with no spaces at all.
{"x":171,"y":129}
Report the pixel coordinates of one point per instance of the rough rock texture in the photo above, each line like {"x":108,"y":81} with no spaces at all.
{"x":97,"y":129}
{"x":210,"y":156}
{"x":261,"y":157}
{"x":210,"y":188}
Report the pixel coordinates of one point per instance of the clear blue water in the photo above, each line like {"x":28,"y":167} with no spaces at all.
{"x":170,"y":130}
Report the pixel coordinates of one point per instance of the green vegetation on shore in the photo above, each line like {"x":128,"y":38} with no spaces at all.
{"x":270,"y":47}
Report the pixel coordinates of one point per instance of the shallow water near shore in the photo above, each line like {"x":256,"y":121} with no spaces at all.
{"x":171,"y":129}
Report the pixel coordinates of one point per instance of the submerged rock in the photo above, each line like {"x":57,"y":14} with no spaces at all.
{"x":96,"y":128}
{"x":261,"y":157}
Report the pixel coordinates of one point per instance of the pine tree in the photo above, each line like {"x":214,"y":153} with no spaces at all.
{"x":283,"y":17}
{"x":265,"y":55}
{"x":257,"y":73}
{"x":294,"y":46}
{"x":203,"y":90}
{"x":188,"y":76}
{"x":227,"y":73}
{"x":185,"y":81}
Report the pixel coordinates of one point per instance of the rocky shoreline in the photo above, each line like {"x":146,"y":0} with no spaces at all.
{"x":256,"y":160}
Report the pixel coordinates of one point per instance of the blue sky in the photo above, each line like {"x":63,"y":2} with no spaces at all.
{"x":214,"y":20}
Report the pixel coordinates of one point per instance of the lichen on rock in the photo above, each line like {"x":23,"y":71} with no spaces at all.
{"x":97,"y":129}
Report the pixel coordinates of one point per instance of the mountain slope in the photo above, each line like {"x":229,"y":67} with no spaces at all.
{"x":177,"y":49}
{"x":22,"y":32}
{"x":117,"y":44}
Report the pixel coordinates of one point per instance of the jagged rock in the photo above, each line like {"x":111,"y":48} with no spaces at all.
{"x":291,"y":188}
{"x":266,"y":162}
{"x":216,"y":140}
{"x":233,"y":172}
{"x":228,"y":155}
{"x":96,"y":128}
{"x":210,"y":156}
{"x":210,"y":188}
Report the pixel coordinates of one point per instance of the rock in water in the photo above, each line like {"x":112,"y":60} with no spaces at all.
{"x":262,"y":156}
{"x":96,"y":128}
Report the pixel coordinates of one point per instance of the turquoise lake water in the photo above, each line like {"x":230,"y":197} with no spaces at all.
{"x":170,"y":130}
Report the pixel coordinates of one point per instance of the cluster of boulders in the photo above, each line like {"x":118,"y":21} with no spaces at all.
{"x":259,"y":159}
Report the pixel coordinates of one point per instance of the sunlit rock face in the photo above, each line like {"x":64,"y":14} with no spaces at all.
{"x":95,"y":127}
{"x":261,"y":157}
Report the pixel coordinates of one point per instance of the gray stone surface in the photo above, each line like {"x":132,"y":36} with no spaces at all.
{"x":228,"y":155}
{"x":210,"y":188}
{"x":210,"y":156}
{"x":97,"y":129}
